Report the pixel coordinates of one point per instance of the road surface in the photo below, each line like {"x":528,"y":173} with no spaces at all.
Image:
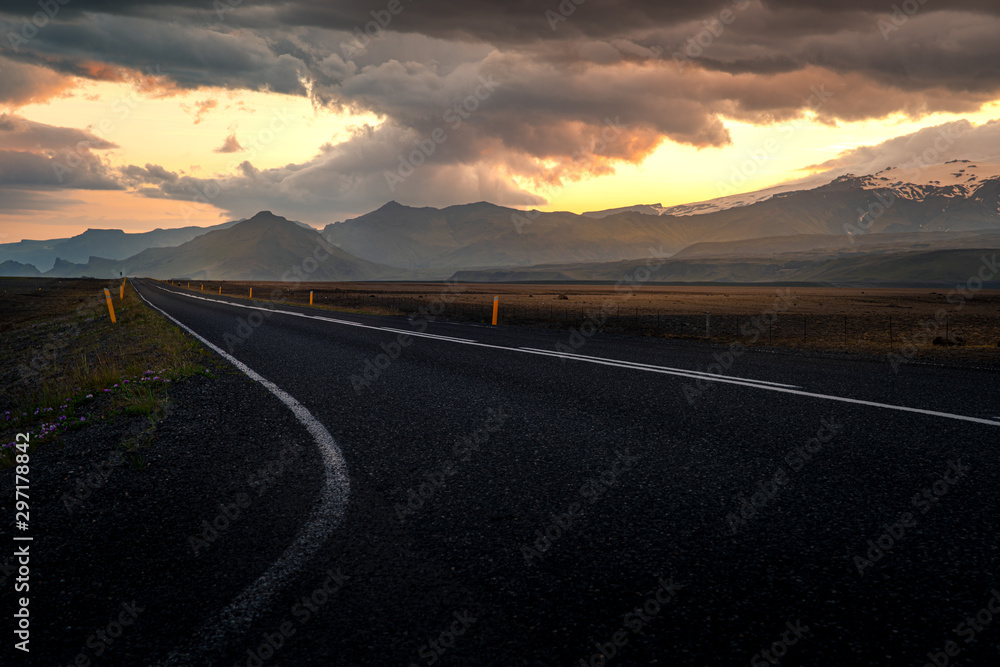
{"x":471,"y":495}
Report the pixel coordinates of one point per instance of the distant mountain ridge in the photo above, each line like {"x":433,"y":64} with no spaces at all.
{"x":486,"y":235}
{"x":952,"y":206}
{"x":110,"y":243}
{"x":264,"y":247}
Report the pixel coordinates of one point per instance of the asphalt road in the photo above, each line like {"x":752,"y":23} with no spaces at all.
{"x":482,"y":501}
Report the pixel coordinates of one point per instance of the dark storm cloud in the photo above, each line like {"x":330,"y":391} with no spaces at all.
{"x":880,"y":6}
{"x":947,"y":49}
{"x":193,"y":55}
{"x":497,"y":21}
{"x":566,"y":71}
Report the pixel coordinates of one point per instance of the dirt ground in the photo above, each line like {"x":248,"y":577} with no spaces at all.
{"x":964,"y":322}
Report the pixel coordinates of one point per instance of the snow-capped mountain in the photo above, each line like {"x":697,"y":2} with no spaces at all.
{"x":955,"y":179}
{"x":698,"y":208}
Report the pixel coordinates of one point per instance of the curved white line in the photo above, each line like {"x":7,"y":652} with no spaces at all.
{"x":325,"y":516}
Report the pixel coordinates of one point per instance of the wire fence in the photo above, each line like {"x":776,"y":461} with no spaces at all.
{"x":790,"y":328}
{"x":849,"y":330}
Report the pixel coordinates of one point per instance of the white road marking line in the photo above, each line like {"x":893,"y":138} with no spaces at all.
{"x":784,"y":390}
{"x":325,"y":516}
{"x":316,"y":317}
{"x":689,"y":374}
{"x":636,"y":364}
{"x":427,"y":335}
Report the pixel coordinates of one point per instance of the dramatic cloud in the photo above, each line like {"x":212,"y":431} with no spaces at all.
{"x":493,"y":98}
{"x":347,"y":177}
{"x":190,"y":54}
{"x":931,"y":145}
{"x":22,"y":84}
{"x":18,"y":133}
{"x":39,"y":155}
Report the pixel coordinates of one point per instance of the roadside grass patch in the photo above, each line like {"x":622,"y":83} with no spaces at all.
{"x":71,"y":369}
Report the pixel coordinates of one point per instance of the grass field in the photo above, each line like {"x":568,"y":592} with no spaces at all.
{"x":64,"y":365}
{"x":964,"y":322}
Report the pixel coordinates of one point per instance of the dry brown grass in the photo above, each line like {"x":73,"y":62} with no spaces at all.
{"x":820,"y":318}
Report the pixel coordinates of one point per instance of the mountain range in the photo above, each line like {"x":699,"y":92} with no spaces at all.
{"x":877,"y":227}
{"x":107,"y":243}
{"x":264,"y":247}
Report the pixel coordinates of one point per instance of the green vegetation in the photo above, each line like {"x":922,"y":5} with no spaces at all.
{"x":73,"y":367}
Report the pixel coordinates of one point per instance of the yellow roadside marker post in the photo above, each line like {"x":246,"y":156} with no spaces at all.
{"x":220,"y":290}
{"x":111,"y":308}
{"x":496,"y":307}
{"x":202,"y":288}
{"x":310,"y":298}
{"x":251,"y":292}
{"x":121,"y":291}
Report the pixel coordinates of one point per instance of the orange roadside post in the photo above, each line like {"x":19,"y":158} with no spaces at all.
{"x":496,"y":307}
{"x":111,"y":308}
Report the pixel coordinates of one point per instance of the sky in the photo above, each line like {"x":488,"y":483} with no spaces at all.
{"x":167,"y":113}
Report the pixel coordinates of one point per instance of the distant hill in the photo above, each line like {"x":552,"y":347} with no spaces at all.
{"x":110,"y":243}
{"x":840,"y":244}
{"x":486,"y":235}
{"x":16,"y":269}
{"x":264,"y":247}
{"x":936,"y":267}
